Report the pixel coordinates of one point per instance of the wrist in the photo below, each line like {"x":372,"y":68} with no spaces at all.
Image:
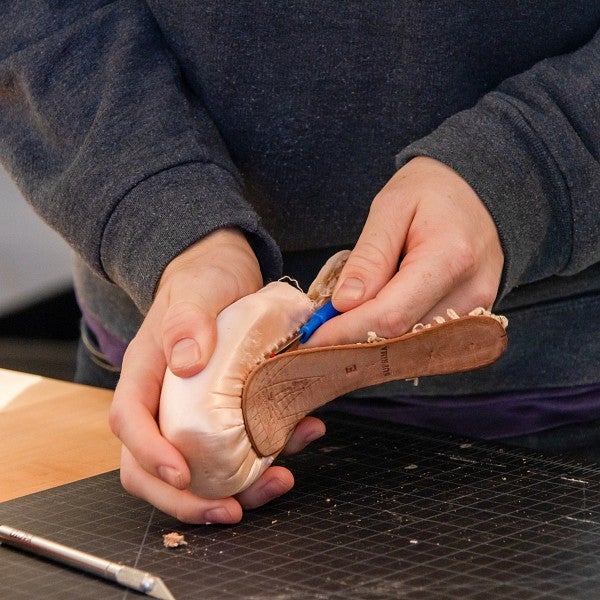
{"x":226,"y":249}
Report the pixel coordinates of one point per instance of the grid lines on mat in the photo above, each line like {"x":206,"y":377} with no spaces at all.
{"x":378,"y":511}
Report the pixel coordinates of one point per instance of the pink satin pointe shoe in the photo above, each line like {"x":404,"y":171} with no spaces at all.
{"x":232,"y":419}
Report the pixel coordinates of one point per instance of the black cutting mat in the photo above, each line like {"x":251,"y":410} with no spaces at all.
{"x":379,"y":511}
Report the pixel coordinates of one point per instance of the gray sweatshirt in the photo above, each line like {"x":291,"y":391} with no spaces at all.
{"x":135,"y":128}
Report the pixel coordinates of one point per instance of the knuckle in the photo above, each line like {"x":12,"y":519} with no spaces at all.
{"x":128,"y":481}
{"x":457,"y":264}
{"x":180,"y":312}
{"x":181,"y":317}
{"x":385,"y":202}
{"x":181,"y":513}
{"x":483,"y":297}
{"x":366,"y":258}
{"x":228,"y":282}
{"x":392,"y":323}
{"x":115,"y":420}
{"x":463,"y":257}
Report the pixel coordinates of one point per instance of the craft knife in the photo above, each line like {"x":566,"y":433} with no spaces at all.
{"x":323,"y":314}
{"x":126,"y":576}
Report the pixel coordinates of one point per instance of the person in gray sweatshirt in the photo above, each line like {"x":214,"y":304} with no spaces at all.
{"x":190,"y":152}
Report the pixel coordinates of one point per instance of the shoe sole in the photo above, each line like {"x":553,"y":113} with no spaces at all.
{"x":285,"y":388}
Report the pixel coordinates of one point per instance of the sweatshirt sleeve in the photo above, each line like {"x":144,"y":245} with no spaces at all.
{"x":531,"y":151}
{"x":100,"y":133}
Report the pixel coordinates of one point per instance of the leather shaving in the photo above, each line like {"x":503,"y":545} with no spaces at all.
{"x":174,"y":540}
{"x":321,"y":289}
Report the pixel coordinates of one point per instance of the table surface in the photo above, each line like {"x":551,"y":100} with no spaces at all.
{"x":51,"y":433}
{"x":378,"y":511}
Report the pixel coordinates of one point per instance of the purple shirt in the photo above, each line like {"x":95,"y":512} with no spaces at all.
{"x":487,"y":416}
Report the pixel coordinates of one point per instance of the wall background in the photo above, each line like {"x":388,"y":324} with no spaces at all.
{"x":39,"y":318}
{"x":35,"y":262}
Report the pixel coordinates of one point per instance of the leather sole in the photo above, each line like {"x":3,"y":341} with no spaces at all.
{"x":282,"y":390}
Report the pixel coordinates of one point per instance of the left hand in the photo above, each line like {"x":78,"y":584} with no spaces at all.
{"x":195,"y":287}
{"x":187,"y":507}
{"x":428,"y":244}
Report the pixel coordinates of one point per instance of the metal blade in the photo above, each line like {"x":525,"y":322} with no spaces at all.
{"x":160,"y":590}
{"x":287,"y":344}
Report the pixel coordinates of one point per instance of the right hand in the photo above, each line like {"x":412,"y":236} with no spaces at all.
{"x":429,"y":244}
{"x":180,"y":331}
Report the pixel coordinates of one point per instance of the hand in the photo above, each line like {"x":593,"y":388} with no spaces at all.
{"x":428,"y":244}
{"x":180,"y":330}
{"x":167,"y":491}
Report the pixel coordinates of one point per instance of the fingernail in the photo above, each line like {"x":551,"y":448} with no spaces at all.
{"x":217,"y":515}
{"x":351,"y":289}
{"x":185,"y":352}
{"x":171,"y":476}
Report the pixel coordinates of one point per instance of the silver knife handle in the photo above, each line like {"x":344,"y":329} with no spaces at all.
{"x":122,"y":574}
{"x":127,"y":576}
{"x":59,"y":552}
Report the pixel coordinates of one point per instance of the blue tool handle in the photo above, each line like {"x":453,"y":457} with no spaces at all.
{"x":325,"y":313}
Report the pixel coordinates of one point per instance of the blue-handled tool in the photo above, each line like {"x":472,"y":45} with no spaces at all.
{"x":323,"y":314}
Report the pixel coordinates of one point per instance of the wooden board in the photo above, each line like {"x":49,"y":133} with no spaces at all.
{"x":51,"y":432}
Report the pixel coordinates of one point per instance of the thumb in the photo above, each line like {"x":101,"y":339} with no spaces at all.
{"x":374,"y":259}
{"x":195,"y":287}
{"x":189,"y":335}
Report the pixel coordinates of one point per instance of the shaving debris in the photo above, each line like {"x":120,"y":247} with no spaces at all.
{"x":174,"y":540}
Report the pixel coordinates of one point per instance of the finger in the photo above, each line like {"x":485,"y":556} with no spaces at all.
{"x":195,"y":288}
{"x":189,"y":331}
{"x":189,"y":335}
{"x":434,"y":278}
{"x":307,"y":430}
{"x":133,"y":415}
{"x":181,"y":504}
{"x":460,"y":301}
{"x":420,"y":284}
{"x":276,"y":481}
{"x":273,"y":483}
{"x":374,"y":259}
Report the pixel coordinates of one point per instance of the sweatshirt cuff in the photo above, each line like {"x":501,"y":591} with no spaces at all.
{"x":168,"y":212}
{"x":494,"y":149}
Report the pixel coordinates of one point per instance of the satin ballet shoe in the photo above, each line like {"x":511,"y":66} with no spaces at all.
{"x":202,"y":415}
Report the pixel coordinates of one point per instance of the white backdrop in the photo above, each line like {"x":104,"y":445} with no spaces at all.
{"x":34,"y":260}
